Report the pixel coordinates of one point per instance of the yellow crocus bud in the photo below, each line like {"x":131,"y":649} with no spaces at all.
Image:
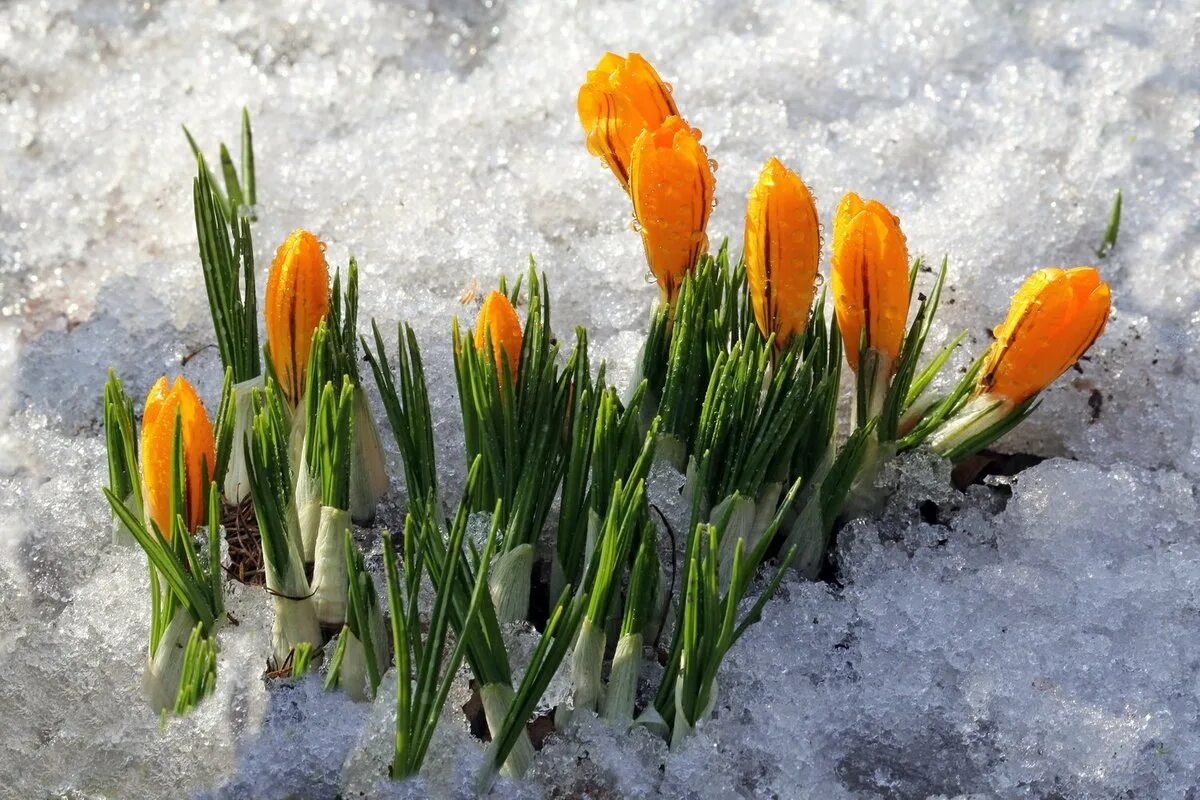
{"x":870,"y":278}
{"x":163,"y":405}
{"x":1054,"y":318}
{"x":671,"y":183}
{"x":498,"y":319}
{"x":621,"y":98}
{"x":782,"y":248}
{"x":297,"y":299}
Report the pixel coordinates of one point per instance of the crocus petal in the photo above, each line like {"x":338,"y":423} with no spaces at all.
{"x":671,"y":183}
{"x":297,"y":298}
{"x":620,"y":98}
{"x":869,"y":277}
{"x":1054,"y":318}
{"x":498,"y":319}
{"x":782,"y":248}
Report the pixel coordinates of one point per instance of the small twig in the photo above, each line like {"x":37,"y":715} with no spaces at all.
{"x":274,"y":593}
{"x":671,"y":587}
{"x":184,"y":361}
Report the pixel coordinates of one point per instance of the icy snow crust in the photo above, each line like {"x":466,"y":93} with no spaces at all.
{"x":1036,"y":638}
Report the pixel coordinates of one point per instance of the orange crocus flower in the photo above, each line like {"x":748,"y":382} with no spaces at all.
{"x":782,"y":248}
{"x":671,"y":183}
{"x":498,"y":319}
{"x":621,"y":98}
{"x":297,"y":299}
{"x":870,"y":277}
{"x":163,"y":406}
{"x":1054,"y":318}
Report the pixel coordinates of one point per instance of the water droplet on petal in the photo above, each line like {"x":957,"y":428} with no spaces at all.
{"x":818,"y":281}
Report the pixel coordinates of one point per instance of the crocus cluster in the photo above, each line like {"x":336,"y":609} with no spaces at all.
{"x":632,"y":122}
{"x":739,"y":390}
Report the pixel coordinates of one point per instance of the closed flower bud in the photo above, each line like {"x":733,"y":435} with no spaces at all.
{"x":782,"y":248}
{"x":1054,"y":318}
{"x":498,"y":319}
{"x":163,"y":406}
{"x":870,"y":278}
{"x":621,"y":98}
{"x":297,"y":299}
{"x":671,"y":183}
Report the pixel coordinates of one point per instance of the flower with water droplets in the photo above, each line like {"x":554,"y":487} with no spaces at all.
{"x":869,"y":278}
{"x":163,"y":405}
{"x":671,"y":183}
{"x":498,"y":320}
{"x":782,"y":248}
{"x":621,"y":98}
{"x":297,"y":298}
{"x":1054,"y":318}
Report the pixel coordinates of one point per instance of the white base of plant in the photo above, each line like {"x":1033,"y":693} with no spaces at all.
{"x":508,"y":583}
{"x":295,"y":615}
{"x":682,"y":728}
{"x":237,"y":475}
{"x":587,"y":660}
{"x":497,"y":699}
{"x":354,"y":680}
{"x":307,"y":501}
{"x":623,"y":679}
{"x":368,"y":470}
{"x":807,"y":534}
{"x":976,"y":416}
{"x":866,"y":498}
{"x":164,"y":670}
{"x":653,"y":721}
{"x":329,"y":567}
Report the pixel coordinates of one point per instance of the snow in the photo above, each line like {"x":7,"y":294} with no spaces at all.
{"x":1041,"y":638}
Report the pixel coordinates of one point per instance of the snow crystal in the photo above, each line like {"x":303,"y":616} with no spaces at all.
{"x":1034,"y":636}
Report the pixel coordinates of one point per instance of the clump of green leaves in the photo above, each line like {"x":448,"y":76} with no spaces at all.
{"x":185,"y":589}
{"x":710,"y":623}
{"x":407,"y":408}
{"x":423,"y":662}
{"x":227,"y":257}
{"x":199,"y":676}
{"x":295,"y":622}
{"x":239,"y":196}
{"x":685,"y":340}
{"x":515,"y":426}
